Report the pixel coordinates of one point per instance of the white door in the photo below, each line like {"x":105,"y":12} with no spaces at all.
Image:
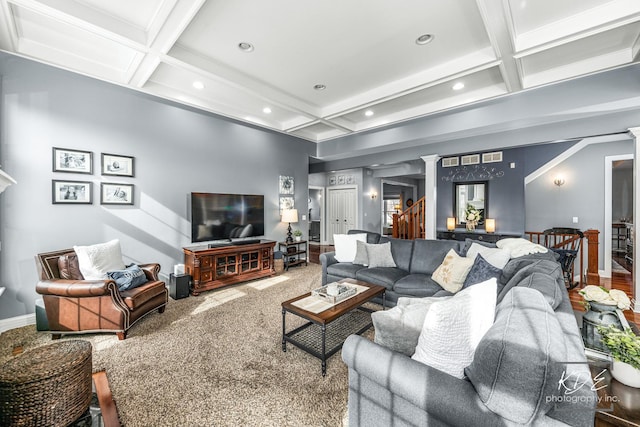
{"x":343,"y":211}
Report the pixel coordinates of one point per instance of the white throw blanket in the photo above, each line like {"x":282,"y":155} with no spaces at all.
{"x":519,"y":247}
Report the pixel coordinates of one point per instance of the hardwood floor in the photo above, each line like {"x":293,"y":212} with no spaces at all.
{"x":621,"y":281}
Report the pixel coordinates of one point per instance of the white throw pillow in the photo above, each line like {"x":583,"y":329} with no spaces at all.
{"x":518,"y":247}
{"x":95,"y":260}
{"x":346,"y":246}
{"x":452,"y":272}
{"x":494,"y":256}
{"x":453,"y":328}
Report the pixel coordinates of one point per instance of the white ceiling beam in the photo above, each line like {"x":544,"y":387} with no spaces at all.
{"x":181,"y":57}
{"x":167,"y":27}
{"x":8,"y":30}
{"x":500,"y":31}
{"x":88,"y":19}
{"x":590,"y":22}
{"x":477,"y":61}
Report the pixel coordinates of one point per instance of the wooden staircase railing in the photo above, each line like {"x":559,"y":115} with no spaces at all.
{"x":410,"y":223}
{"x":592,"y":276}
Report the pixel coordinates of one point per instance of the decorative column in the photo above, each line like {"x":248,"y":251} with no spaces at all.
{"x":634,"y":133}
{"x":593,"y":278}
{"x":430,"y":194}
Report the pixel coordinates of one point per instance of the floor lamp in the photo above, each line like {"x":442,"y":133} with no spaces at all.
{"x":290,"y":215}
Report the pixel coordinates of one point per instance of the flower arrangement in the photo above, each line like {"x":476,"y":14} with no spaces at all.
{"x":598,"y":294}
{"x":472,"y":217}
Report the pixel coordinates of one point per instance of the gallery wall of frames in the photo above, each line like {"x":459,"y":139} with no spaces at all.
{"x":77,"y":191}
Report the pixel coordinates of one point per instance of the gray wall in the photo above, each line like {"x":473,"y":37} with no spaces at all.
{"x":582,"y":195}
{"x":177,"y":150}
{"x":506,"y":194}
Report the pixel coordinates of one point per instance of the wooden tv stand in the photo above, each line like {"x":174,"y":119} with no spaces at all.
{"x":226,"y":264}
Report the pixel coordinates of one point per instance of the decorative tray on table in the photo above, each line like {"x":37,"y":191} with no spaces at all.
{"x":344,"y":292}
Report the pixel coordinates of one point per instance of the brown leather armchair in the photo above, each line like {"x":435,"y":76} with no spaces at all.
{"x":76,"y":306}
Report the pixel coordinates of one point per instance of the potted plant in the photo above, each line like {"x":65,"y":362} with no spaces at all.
{"x":624,"y":346}
{"x":298,"y":235}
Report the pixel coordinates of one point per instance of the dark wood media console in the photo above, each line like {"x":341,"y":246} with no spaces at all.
{"x":226,"y":264}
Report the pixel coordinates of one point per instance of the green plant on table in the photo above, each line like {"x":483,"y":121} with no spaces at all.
{"x":297,"y":233}
{"x":623,"y":345}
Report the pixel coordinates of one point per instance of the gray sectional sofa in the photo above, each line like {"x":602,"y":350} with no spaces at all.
{"x":529,"y":369}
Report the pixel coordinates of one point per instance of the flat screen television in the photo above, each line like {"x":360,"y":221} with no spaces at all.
{"x":216,"y":216}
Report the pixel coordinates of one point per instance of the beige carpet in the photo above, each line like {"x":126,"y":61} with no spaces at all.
{"x":216,"y":359}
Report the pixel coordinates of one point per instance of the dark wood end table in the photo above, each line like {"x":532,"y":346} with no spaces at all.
{"x":332,"y":325}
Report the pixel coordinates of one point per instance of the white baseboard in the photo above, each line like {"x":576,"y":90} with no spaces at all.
{"x":17,"y":322}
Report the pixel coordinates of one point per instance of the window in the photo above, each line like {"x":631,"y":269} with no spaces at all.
{"x":391,"y":206}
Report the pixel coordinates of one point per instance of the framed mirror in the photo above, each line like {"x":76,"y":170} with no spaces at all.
{"x":471,"y":195}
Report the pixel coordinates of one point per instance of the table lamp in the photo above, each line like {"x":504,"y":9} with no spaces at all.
{"x":290,"y":215}
{"x":451,"y":224}
{"x":490,"y":225}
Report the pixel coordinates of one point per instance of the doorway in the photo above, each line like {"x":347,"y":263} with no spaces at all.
{"x":618,"y":217}
{"x":395,"y":195}
{"x":316,"y":215}
{"x":342,"y":211}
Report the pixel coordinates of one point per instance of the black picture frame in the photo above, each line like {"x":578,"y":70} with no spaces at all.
{"x":69,"y":160}
{"x":117,"y":165}
{"x":71,"y":192}
{"x":461,"y":222}
{"x":114,"y":193}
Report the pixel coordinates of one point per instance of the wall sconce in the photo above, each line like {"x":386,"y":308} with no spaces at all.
{"x":373,"y":195}
{"x":451,"y":224}
{"x":490,"y":225}
{"x":559,"y":181}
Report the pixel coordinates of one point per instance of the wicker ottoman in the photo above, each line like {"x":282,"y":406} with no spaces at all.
{"x":46,"y":386}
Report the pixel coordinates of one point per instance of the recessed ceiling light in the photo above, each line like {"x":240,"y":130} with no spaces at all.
{"x":375,"y":164}
{"x":198,"y":85}
{"x":319,"y":87}
{"x":425,"y":38}
{"x":266,"y":110}
{"x":458,"y":86}
{"x":368,"y":113}
{"x":245,"y":47}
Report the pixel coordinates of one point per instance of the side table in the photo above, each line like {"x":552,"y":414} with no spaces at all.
{"x":295,"y":253}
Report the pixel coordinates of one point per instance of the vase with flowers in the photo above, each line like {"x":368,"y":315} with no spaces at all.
{"x":472,"y":217}
{"x":603,"y":309}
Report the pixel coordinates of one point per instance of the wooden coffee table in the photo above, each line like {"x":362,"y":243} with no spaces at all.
{"x":325,"y":332}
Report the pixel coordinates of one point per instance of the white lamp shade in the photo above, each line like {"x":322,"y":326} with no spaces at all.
{"x":451,"y":223}
{"x":290,"y":215}
{"x":490,"y":225}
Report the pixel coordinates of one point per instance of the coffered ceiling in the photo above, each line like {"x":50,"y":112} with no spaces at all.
{"x":365,"y":54}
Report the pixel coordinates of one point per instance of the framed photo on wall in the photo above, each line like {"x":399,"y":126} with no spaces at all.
{"x":286,"y":185}
{"x":116,"y":165}
{"x":332,"y":180}
{"x":286,"y":202}
{"x":71,"y":192}
{"x":74,"y":161}
{"x":116,"y":194}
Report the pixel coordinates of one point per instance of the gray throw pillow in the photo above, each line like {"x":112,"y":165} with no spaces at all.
{"x":399,"y":328}
{"x":380,"y":255}
{"x":468,"y":242}
{"x":519,"y":362}
{"x":361,"y":254}
{"x":481,"y":270}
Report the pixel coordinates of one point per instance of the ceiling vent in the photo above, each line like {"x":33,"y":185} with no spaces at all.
{"x":449,"y":162}
{"x":471,"y":159}
{"x":493,"y":157}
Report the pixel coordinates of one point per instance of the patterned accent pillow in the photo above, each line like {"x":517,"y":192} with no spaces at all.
{"x":453,"y":328}
{"x":481,"y":270}
{"x":129,"y":278}
{"x":452,"y":272}
{"x":380,"y":255}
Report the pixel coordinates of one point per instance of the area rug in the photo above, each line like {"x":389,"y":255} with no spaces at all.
{"x":215,"y":359}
